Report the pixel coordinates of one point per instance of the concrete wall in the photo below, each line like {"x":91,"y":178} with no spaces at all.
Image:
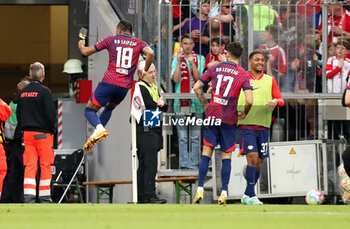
{"x":111,"y":157}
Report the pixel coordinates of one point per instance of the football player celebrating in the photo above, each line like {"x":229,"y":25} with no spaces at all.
{"x":254,"y":128}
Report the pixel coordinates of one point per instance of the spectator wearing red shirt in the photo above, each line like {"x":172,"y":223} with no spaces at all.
{"x":278,"y":58}
{"x":338,"y":23}
{"x":181,"y":14}
{"x":217,"y":54}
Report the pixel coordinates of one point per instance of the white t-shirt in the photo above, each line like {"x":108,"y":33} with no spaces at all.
{"x":338,"y":83}
{"x":214,"y":11}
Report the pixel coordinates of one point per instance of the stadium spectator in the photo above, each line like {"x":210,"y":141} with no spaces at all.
{"x":338,"y":22}
{"x":331,"y":49}
{"x":195,"y":27}
{"x":267,"y":57}
{"x":217,"y":54}
{"x":124,"y":51}
{"x":305,"y":8}
{"x":315,"y":19}
{"x":194,"y":8}
{"x":338,"y":68}
{"x":277,"y":19}
{"x":226,"y":18}
{"x":227,"y":79}
{"x":221,"y":26}
{"x":5,"y":113}
{"x":37,"y":118}
{"x":187,"y":66}
{"x":254,"y":129}
{"x":165,"y":54}
{"x":278,"y":58}
{"x":213,"y":28}
{"x":149,"y":139}
{"x":312,"y":74}
{"x":13,"y":188}
{"x":214,"y":8}
{"x":181,"y":14}
{"x":291,"y":40}
{"x":263,"y":16}
{"x":292,"y":34}
{"x":240,"y":15}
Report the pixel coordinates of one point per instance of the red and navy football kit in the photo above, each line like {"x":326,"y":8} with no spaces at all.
{"x":227,"y":80}
{"x":124,"y":51}
{"x":254,"y":138}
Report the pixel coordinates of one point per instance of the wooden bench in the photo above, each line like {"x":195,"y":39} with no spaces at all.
{"x":181,"y":183}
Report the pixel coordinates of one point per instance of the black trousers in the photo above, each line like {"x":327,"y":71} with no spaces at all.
{"x":13,"y":188}
{"x":148,"y":145}
{"x":346,"y":159}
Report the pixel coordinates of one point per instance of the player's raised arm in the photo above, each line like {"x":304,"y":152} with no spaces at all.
{"x":149,"y":57}
{"x":86,"y":51}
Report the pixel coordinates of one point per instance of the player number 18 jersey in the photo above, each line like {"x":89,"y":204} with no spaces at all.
{"x":124,"y":51}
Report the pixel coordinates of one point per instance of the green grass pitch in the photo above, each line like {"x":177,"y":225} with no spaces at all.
{"x":108,"y":216}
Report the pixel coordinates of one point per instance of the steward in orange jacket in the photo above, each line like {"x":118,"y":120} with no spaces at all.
{"x":37,"y":118}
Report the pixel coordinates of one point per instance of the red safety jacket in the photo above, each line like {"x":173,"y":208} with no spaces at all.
{"x":5,"y":113}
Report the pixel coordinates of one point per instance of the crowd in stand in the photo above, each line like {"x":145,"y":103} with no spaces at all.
{"x":289,"y":33}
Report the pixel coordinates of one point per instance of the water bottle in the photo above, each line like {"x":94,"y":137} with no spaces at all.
{"x":76,"y":196}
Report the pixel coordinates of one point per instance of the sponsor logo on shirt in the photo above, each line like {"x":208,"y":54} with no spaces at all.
{"x":122,"y":71}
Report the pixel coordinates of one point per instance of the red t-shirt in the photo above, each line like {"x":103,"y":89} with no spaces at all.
{"x":342,"y":22}
{"x":280,"y":58}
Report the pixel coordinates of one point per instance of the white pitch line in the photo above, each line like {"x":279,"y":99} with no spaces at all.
{"x":295,"y":213}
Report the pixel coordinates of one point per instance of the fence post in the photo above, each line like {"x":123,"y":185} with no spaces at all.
{"x":251,"y":27}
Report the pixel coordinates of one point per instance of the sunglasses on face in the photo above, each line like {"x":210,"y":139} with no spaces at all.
{"x":226,"y":6}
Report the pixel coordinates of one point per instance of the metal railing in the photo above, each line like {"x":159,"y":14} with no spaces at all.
{"x":299,"y":35}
